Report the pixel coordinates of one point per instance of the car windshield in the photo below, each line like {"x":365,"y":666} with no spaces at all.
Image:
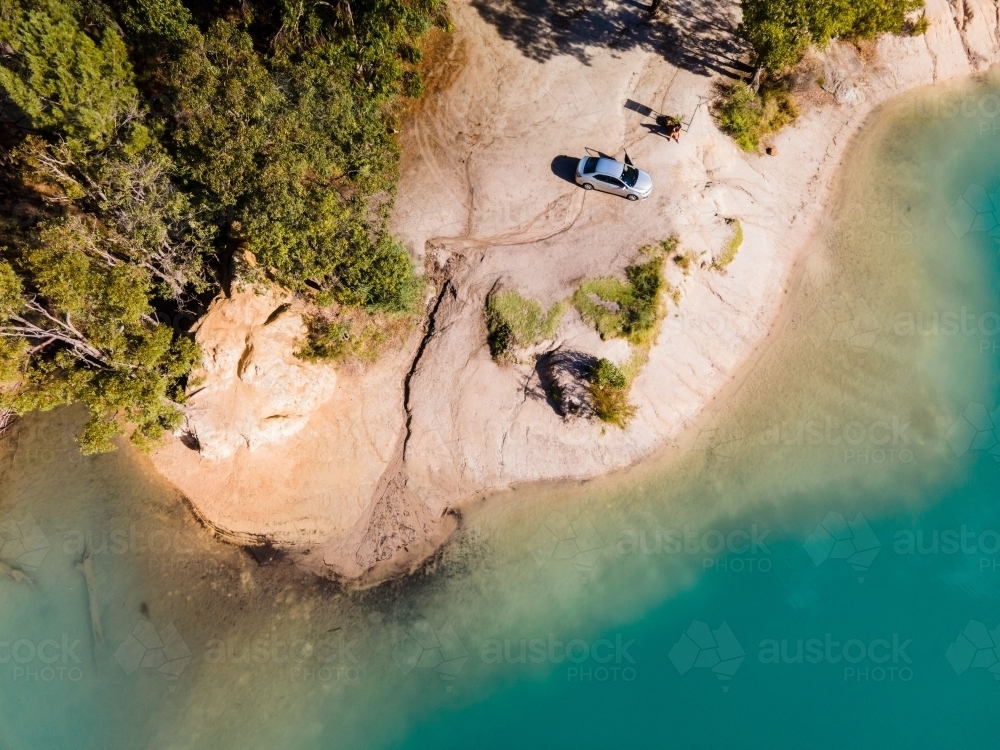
{"x":630,"y":175}
{"x":589,"y":165}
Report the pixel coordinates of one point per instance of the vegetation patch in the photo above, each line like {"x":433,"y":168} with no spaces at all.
{"x":179,"y":148}
{"x":515,"y":322}
{"x":732,"y":247}
{"x":609,"y":394}
{"x":919,"y":26}
{"x":350,"y":335}
{"x":629,"y":309}
{"x":748,"y":116}
{"x":780,"y":31}
{"x":683,"y":261}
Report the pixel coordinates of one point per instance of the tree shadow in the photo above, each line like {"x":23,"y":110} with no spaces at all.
{"x":702,"y":38}
{"x":564,"y":167}
{"x":12,"y":115}
{"x":697,"y":35}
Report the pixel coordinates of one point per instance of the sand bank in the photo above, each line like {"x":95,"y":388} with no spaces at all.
{"x":359,"y":483}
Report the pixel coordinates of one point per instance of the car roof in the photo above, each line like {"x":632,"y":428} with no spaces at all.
{"x":609,"y":167}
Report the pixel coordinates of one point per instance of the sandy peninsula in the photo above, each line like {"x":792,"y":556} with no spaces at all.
{"x":355,"y":471}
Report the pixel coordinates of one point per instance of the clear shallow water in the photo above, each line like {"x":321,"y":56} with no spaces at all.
{"x":663,"y":605}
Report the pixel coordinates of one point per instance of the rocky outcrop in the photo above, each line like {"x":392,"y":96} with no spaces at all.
{"x":251,"y":390}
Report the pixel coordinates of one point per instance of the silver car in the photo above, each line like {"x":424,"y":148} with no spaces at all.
{"x":612,"y":176}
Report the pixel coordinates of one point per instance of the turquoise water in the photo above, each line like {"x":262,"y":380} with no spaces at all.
{"x":662,"y":606}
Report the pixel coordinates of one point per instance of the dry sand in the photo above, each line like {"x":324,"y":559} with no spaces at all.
{"x":361,"y":485}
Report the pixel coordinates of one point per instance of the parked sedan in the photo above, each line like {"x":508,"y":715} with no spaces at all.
{"x":610,"y":176}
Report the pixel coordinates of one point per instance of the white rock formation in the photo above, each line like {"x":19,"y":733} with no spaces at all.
{"x":251,"y":389}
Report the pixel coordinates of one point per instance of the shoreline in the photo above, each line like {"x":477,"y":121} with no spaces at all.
{"x":686,"y":437}
{"x":470,"y":428}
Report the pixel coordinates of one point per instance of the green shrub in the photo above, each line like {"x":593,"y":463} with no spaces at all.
{"x":732,"y":247}
{"x":609,"y":394}
{"x":780,"y":31}
{"x":627,"y":309}
{"x":748,"y":116}
{"x":684,"y":261}
{"x":413,"y":84}
{"x":630,"y":309}
{"x":349,"y":334}
{"x":607,"y":373}
{"x":920,"y":26}
{"x":739,"y":115}
{"x":513,"y":321}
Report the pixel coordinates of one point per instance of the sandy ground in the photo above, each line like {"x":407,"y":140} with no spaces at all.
{"x":517,"y":93}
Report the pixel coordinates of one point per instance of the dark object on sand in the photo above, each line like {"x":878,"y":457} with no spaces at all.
{"x":771,"y":150}
{"x":671,"y":126}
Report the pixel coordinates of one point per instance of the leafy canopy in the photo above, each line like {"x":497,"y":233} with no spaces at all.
{"x":176,"y":148}
{"x":780,"y":31}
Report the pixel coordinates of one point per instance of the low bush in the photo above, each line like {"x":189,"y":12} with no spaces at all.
{"x":609,"y":394}
{"x":732,"y":247}
{"x":352,"y":335}
{"x":748,"y":116}
{"x":513,"y":322}
{"x":629,"y":309}
{"x":623,"y":309}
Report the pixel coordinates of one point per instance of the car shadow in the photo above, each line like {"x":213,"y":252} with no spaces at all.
{"x":565,"y":167}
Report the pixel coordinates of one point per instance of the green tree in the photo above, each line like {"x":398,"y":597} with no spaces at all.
{"x":77,"y":290}
{"x":274,"y":123}
{"x":780,"y":31}
{"x":64,"y":80}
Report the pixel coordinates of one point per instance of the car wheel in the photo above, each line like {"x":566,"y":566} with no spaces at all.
{"x":587,"y":186}
{"x":632,"y":197}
